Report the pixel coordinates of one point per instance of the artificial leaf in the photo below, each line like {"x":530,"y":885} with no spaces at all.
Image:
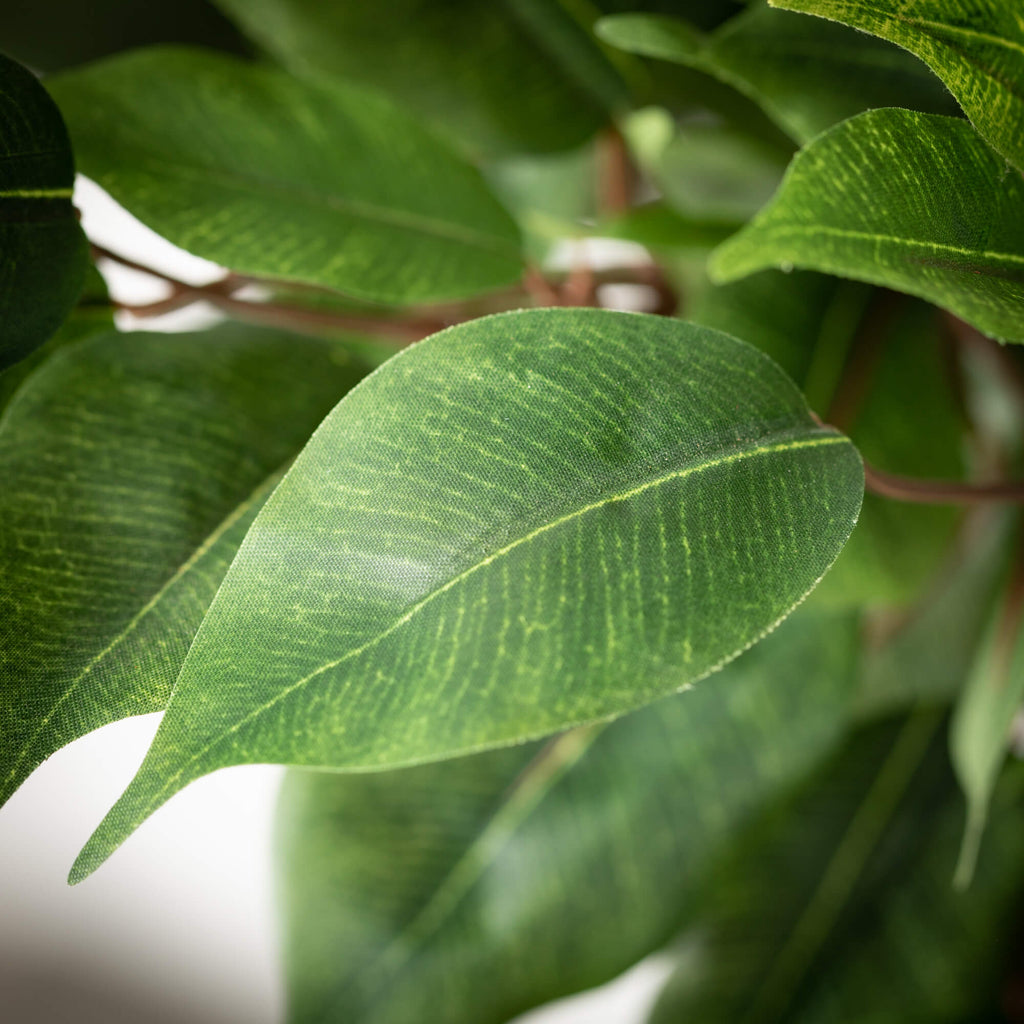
{"x":826,"y":333}
{"x":990,"y":700}
{"x":497,"y":77}
{"x":323,"y":183}
{"x":659,"y":226}
{"x":451,"y":891}
{"x":526,"y":522}
{"x":975,"y":46}
{"x":43,"y":255}
{"x":806,"y":74}
{"x":916,"y":202}
{"x":132,"y":467}
{"x":861,"y":923}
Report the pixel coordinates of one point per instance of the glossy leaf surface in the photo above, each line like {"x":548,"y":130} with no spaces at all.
{"x":862,"y":923}
{"x":499,"y":77}
{"x":805,"y":73}
{"x":452,"y":891}
{"x":248,"y":167}
{"x":975,"y":46}
{"x":526,"y":522}
{"x":915,"y":202}
{"x":132,"y":467}
{"x":42,"y":250}
{"x":980,"y":731}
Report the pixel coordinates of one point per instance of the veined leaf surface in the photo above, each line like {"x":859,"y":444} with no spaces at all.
{"x":411,"y":894}
{"x":915,"y":202}
{"x":324,"y":183}
{"x":42,"y":249}
{"x":132,"y":467}
{"x":975,"y":46}
{"x":806,"y":74}
{"x":526,"y":522}
{"x":862,"y":923}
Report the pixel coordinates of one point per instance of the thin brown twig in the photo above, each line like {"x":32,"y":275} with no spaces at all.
{"x":940,"y":492}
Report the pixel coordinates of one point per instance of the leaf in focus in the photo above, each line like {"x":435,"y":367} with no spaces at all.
{"x":975,"y":46}
{"x":980,"y":731}
{"x":500,"y":78}
{"x":43,"y":255}
{"x":132,"y":467}
{"x":837,"y":906}
{"x":914,"y":202}
{"x":409,"y":894}
{"x":815,"y":326}
{"x":322,"y":183}
{"x":806,"y":74}
{"x":524,"y":523}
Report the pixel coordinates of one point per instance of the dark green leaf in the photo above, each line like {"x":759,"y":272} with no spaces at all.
{"x":132,"y":467}
{"x":266,"y":175}
{"x":658,"y":226}
{"x":498,"y":77}
{"x":469,"y":891}
{"x":526,"y":522}
{"x":42,"y":249}
{"x":975,"y":46}
{"x":838,"y":907}
{"x":916,"y":202}
{"x":806,"y":74}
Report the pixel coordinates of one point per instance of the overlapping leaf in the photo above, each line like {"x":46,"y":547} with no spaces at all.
{"x":916,"y":202}
{"x":805,"y":73}
{"x":526,"y":522}
{"x":838,"y":906}
{"x":815,"y":326}
{"x":42,"y":249}
{"x":500,"y":77}
{"x":324,"y":183}
{"x":132,"y":467}
{"x":453,"y":891}
{"x":975,"y":46}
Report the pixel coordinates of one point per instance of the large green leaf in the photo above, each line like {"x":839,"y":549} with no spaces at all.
{"x":499,"y":77}
{"x":838,"y":906}
{"x":980,"y":732}
{"x":266,"y":175}
{"x":132,"y":467}
{"x":806,"y":74}
{"x":824,"y":331}
{"x":975,"y":46}
{"x":526,"y":522}
{"x":455,"y":892}
{"x":916,"y":202}
{"x":42,"y":249}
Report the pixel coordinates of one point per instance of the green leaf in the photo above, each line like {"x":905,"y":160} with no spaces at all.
{"x":975,"y":46}
{"x":837,"y":338}
{"x":498,"y":77}
{"x":327,"y":184}
{"x":526,"y":522}
{"x":43,"y":255}
{"x":916,"y":202}
{"x":989,"y":702}
{"x":838,"y":906}
{"x":119,"y":517}
{"x":805,"y":74}
{"x":452,"y":892}
{"x":658,"y":226}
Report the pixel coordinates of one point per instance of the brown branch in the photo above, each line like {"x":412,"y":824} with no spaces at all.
{"x":939,"y":492}
{"x":617,"y":174}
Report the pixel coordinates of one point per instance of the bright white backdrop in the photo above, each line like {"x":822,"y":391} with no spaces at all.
{"x":180,"y":925}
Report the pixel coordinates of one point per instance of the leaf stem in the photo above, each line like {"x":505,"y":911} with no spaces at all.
{"x":940,"y":492}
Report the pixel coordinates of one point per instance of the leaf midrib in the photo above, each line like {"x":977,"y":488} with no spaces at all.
{"x":395,"y":217}
{"x":819,"y":438}
{"x":257,"y":494}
